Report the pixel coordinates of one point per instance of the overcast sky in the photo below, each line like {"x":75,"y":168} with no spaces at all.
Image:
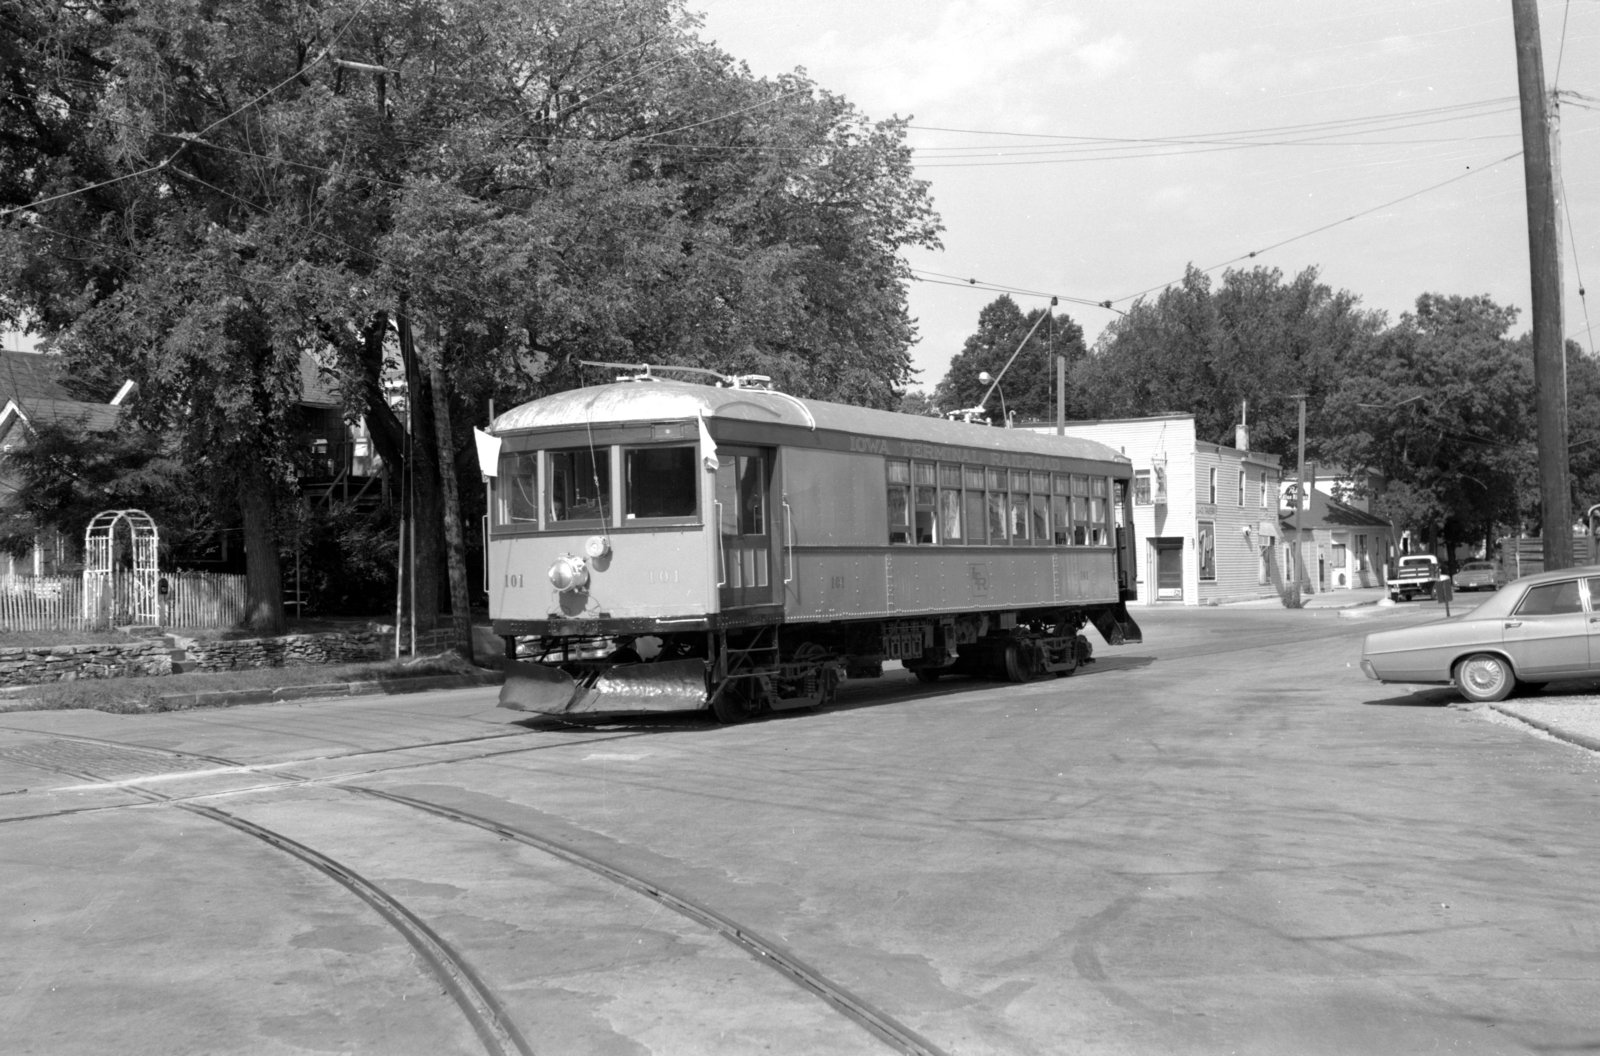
{"x":1094,"y":149}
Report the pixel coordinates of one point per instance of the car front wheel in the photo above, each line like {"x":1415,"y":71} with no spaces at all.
{"x":1484,"y":678}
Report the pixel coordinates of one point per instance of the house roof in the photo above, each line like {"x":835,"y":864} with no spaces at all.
{"x":1324,"y":511}
{"x":32,"y":390}
{"x":317,"y":389}
{"x":28,"y":376}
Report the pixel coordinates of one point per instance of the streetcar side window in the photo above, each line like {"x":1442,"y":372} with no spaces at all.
{"x":1099,"y":528}
{"x":1080,"y":511}
{"x":659,"y":482}
{"x":517,"y":488}
{"x":1060,"y":504}
{"x":950,"y":503}
{"x":1039,"y":487}
{"x":899,"y":474}
{"x":580,"y":484}
{"x":997,"y":506}
{"x":926,"y":496}
{"x":972,"y":502}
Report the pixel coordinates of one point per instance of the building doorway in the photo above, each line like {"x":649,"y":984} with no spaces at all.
{"x":1169,"y":569}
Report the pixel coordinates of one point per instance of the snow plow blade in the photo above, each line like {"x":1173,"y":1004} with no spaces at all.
{"x":1116,"y":626}
{"x":623,"y":689}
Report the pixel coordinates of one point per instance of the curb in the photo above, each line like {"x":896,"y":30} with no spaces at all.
{"x":317,"y":691}
{"x":1579,"y":740}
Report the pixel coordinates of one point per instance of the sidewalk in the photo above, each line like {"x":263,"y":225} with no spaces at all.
{"x":1328,"y":599}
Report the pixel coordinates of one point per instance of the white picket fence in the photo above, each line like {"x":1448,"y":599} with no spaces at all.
{"x":49,"y":603}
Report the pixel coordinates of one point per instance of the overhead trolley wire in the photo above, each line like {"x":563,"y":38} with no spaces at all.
{"x":1336,"y":223}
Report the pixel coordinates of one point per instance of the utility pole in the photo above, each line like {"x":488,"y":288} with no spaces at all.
{"x":1300,"y":502}
{"x":1544,"y":259}
{"x":1061,"y":394}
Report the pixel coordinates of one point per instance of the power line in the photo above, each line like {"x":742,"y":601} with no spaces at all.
{"x":1336,"y":223}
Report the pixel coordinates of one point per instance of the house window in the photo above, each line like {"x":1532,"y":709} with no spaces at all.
{"x":1361,"y":553}
{"x":1211,"y":486}
{"x":1241,"y":487}
{"x":1207,"y":545}
{"x":1263,"y":491}
{"x":1341,"y":555}
{"x":1141,"y":487}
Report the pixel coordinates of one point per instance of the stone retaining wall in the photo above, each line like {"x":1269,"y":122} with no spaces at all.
{"x":31,"y":665}
{"x":292,"y":650}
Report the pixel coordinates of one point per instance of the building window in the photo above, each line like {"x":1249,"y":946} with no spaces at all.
{"x":1207,"y":545}
{"x":1211,"y":486}
{"x":1361,"y":553}
{"x":1241,"y":487}
{"x":1263,"y":491}
{"x":1141,"y":487}
{"x":1341,"y":555}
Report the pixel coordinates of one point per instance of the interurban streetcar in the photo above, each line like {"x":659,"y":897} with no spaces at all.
{"x":658,"y":545}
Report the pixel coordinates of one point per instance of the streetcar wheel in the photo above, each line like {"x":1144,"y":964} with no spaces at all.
{"x":1020,"y":663}
{"x":737,"y":700}
{"x":1484,"y":678}
{"x":927,"y":674}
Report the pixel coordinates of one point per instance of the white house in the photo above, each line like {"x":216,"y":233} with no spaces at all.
{"x":1205,"y":516}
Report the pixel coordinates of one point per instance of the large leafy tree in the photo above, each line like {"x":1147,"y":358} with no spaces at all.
{"x":1441,"y":405}
{"x":536,"y":184}
{"x":1242,"y":351}
{"x":63,"y":473}
{"x":1026,"y":389}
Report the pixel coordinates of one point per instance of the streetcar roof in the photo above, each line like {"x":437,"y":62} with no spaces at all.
{"x":657,"y":401}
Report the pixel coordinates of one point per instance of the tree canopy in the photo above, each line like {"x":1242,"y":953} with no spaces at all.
{"x":197,"y":195}
{"x":1027,"y":389}
{"x":1440,"y":403}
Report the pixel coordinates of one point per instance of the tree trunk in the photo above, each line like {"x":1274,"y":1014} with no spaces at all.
{"x":455,"y":539}
{"x":425,"y":498}
{"x":263,"y":573}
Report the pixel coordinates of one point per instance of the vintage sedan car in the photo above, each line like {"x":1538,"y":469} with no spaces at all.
{"x":1476,"y":575}
{"x":1531,"y":631}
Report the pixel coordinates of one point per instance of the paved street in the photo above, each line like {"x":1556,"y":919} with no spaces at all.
{"x":1224,"y":840}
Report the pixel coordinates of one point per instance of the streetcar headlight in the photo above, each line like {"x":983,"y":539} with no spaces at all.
{"x":570,"y":572}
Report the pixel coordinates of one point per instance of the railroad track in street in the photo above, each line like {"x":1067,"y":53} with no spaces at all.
{"x":482,"y":1007}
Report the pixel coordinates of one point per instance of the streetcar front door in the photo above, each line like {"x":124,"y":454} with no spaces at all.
{"x":744,"y":526}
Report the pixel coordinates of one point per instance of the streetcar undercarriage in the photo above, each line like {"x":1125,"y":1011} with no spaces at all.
{"x":738,"y":672}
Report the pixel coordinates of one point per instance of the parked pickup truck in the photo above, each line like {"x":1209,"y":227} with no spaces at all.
{"x":1414,"y":574}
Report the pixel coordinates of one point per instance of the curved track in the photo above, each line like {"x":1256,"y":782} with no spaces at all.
{"x":483,"y":1009}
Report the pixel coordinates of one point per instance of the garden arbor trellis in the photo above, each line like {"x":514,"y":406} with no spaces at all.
{"x":121,"y":584}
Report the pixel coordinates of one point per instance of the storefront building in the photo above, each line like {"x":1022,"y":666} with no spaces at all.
{"x":1205,"y":516}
